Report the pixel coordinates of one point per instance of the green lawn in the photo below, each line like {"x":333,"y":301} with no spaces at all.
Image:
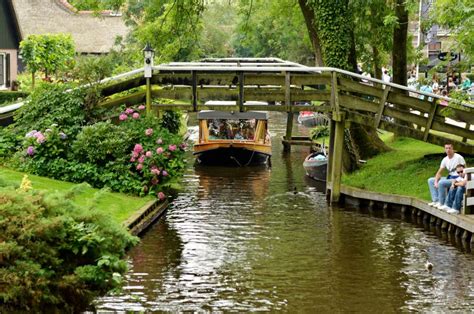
{"x":119,"y":206}
{"x":404,"y":171}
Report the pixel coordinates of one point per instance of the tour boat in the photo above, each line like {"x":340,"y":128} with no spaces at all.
{"x":233,"y":138}
{"x":315,"y":165}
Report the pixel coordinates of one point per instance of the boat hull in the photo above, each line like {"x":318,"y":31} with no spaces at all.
{"x":308,"y":121}
{"x":232,"y":156}
{"x":316,"y":169}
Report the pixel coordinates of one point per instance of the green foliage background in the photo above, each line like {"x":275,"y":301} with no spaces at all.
{"x":55,"y":256}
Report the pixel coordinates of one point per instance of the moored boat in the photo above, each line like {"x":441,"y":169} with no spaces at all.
{"x":315,"y":165}
{"x":311,"y":119}
{"x":233,"y":138}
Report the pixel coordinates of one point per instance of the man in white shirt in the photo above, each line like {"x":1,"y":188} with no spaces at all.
{"x":439,"y":185}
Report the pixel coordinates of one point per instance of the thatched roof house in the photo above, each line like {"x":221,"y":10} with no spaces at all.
{"x":92,"y":33}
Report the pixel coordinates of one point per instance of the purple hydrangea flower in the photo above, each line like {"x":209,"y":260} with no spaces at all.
{"x":30,"y":150}
{"x":129,"y":111}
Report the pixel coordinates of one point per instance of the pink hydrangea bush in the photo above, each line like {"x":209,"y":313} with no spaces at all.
{"x":156,"y":156}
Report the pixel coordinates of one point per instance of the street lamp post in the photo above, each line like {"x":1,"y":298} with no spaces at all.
{"x":148,"y":54}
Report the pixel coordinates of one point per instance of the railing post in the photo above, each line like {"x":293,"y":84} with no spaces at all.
{"x":468,"y":127}
{"x":289,"y":117}
{"x":194,"y":90}
{"x":431,"y":116}
{"x":468,"y":207}
{"x":334,"y":95}
{"x":383,"y":100}
{"x":241,"y":91}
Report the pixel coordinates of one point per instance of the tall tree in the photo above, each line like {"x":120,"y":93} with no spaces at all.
{"x":47,"y":53}
{"x":272,"y":28}
{"x":333,"y":23}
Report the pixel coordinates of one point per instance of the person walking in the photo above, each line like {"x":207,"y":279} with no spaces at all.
{"x":439,"y":185}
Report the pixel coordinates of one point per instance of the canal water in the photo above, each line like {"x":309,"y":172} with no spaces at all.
{"x":261,"y":239}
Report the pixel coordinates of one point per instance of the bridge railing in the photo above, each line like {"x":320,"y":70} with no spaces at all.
{"x":364,"y":100}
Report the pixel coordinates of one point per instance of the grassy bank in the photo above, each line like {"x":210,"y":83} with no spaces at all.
{"x":119,"y":206}
{"x":405,"y":170}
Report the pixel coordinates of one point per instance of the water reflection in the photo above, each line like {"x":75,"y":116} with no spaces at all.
{"x":261,"y":239}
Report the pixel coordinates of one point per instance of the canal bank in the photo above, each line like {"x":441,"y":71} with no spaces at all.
{"x":461,"y":226}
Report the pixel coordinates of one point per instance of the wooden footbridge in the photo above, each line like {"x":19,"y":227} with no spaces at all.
{"x":289,"y":87}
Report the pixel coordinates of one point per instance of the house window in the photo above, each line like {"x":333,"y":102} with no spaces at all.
{"x":2,"y":71}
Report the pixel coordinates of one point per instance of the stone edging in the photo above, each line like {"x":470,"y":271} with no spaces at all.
{"x":145,"y":216}
{"x":464,"y":222}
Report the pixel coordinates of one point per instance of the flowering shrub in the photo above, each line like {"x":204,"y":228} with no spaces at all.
{"x":136,"y":156}
{"x":42,"y":147}
{"x":155,"y":156}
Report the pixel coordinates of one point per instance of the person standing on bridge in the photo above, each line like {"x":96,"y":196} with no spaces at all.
{"x":439,"y":185}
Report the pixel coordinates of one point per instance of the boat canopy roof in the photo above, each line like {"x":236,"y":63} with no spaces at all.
{"x":231,"y":115}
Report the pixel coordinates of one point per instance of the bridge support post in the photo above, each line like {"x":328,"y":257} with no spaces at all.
{"x":332,"y":129}
{"x":289,"y":116}
{"x":336,"y":159}
{"x":148,"y":96}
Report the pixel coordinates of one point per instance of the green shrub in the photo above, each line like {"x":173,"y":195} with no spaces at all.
{"x":55,"y":256}
{"x":52,"y":104}
{"x":11,"y":96}
{"x":319,"y":131}
{"x":100,"y":143}
{"x":171,"y":121}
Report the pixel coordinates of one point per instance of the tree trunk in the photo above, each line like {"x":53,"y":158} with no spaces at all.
{"x":353,"y":53}
{"x":377,"y":67}
{"x":309,"y":18}
{"x":399,"y":50}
